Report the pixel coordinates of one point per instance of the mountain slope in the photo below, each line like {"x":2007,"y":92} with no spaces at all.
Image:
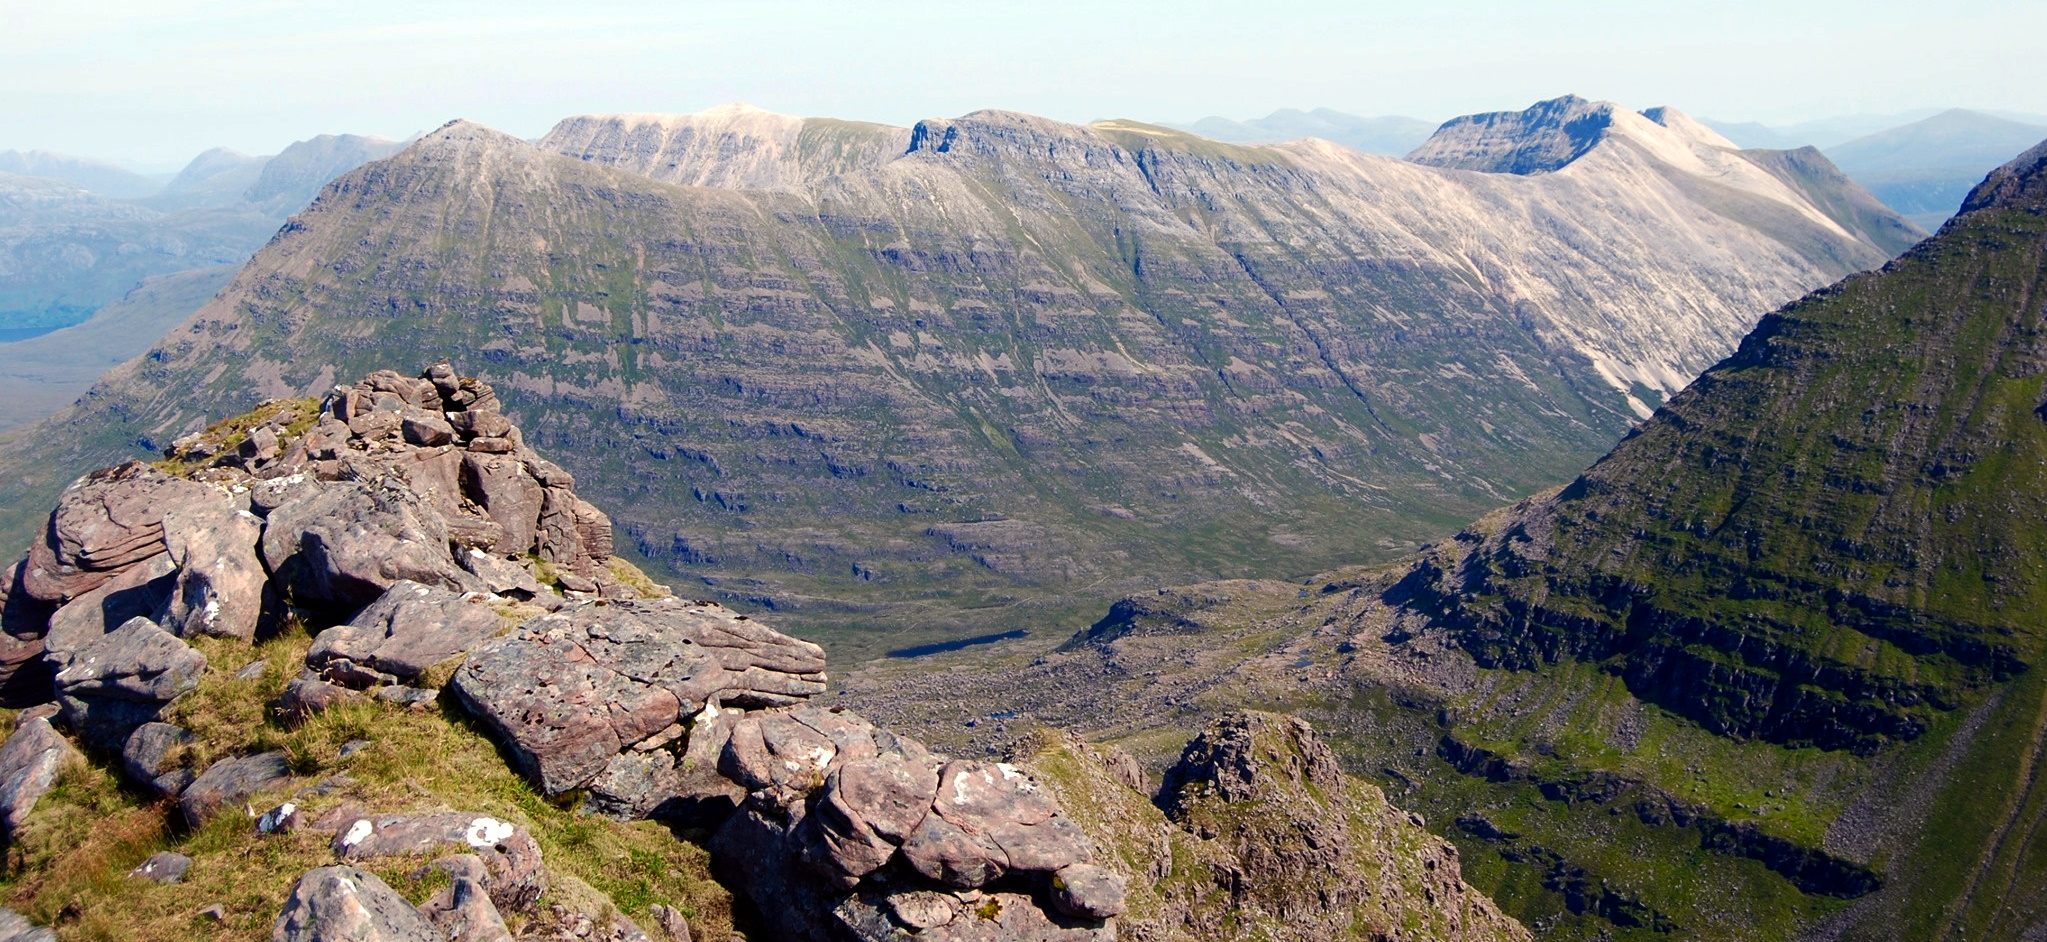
{"x":1768,"y":670}
{"x":970,"y":375}
{"x":1828,"y":541}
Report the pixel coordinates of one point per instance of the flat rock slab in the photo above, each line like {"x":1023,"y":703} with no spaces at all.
{"x":230,"y":781}
{"x":407,"y":630}
{"x":344,"y":904}
{"x":123,"y":680}
{"x":163,"y":867}
{"x":28,"y":767}
{"x":509,"y":853}
{"x":568,"y":691}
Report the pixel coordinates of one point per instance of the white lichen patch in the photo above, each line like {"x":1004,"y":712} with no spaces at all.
{"x":485,"y":832}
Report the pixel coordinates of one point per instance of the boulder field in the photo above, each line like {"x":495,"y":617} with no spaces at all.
{"x":432,"y":560}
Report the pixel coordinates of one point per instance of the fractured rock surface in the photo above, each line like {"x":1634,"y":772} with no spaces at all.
{"x":568,"y":691}
{"x":408,"y":629}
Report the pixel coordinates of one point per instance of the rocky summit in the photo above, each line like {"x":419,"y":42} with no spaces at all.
{"x":1768,"y":670}
{"x":983,"y":372}
{"x":363,"y":668}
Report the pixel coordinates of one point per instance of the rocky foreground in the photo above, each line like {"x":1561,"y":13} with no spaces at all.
{"x":390,"y":572}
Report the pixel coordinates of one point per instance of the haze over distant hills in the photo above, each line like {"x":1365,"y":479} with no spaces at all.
{"x":98,"y":176}
{"x":76,"y":235}
{"x":1925,"y":168}
{"x":989,"y":369}
{"x":1392,"y":136}
{"x":116,"y":272}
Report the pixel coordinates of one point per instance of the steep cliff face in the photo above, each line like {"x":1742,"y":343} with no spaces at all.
{"x":996,"y":362}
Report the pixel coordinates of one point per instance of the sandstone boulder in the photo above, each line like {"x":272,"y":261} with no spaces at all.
{"x":408,"y":629}
{"x":346,"y":545}
{"x":568,"y":691}
{"x":220,"y":577}
{"x":1088,"y":891}
{"x":462,"y":910}
{"x":501,"y":486}
{"x":163,"y":868}
{"x":105,"y":522}
{"x":307,"y":696}
{"x":344,"y":904}
{"x":150,"y":757}
{"x":28,"y":767}
{"x":123,"y":680}
{"x":140,"y":591}
{"x":500,"y":576}
{"x":229,"y":782}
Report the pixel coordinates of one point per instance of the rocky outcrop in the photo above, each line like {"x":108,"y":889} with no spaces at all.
{"x":402,"y":508}
{"x":1542,"y":139}
{"x":853,"y":831}
{"x":1262,"y":836}
{"x":569,"y":691}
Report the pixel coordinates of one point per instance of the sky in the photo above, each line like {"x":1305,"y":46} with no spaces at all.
{"x":150,"y":83}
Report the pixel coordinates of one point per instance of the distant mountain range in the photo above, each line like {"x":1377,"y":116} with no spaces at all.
{"x":76,"y":235}
{"x":1925,"y":168}
{"x":1392,"y":136}
{"x":1919,"y":163}
{"x":100,"y":177}
{"x":988,"y":370}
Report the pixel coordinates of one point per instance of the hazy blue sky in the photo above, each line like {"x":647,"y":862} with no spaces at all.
{"x":154,"y":81}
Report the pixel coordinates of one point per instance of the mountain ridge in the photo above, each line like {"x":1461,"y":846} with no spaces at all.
{"x":950,"y":355}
